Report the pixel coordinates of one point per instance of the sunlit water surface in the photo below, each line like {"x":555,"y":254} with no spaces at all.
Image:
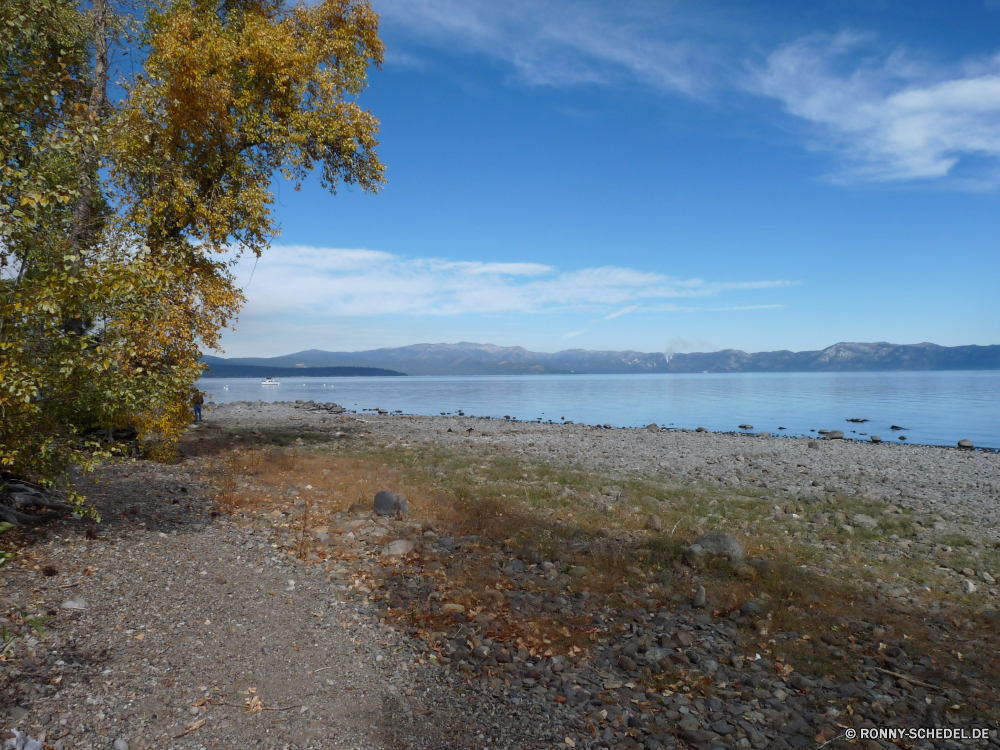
{"x":937,"y":408}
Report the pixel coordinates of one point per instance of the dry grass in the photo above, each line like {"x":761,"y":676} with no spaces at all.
{"x":511,"y":504}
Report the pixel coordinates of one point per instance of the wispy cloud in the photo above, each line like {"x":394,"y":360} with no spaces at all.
{"x":574,"y":334}
{"x":623,"y":311}
{"x":891,"y":116}
{"x":888,"y":114}
{"x":341,"y":282}
{"x":554,"y":43}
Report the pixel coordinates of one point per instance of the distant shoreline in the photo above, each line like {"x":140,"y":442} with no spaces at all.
{"x":263,"y":371}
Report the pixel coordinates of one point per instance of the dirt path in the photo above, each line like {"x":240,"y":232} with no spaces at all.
{"x":179,"y":620}
{"x":565,"y":619}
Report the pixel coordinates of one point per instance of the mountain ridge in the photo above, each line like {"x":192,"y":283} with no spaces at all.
{"x":470,"y":358}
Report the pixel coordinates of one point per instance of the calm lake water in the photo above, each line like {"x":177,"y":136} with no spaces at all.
{"x":937,"y":408}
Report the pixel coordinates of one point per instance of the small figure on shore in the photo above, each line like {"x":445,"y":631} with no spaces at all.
{"x":198,"y":399}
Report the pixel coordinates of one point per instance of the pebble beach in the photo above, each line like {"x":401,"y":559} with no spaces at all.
{"x":251,"y":594}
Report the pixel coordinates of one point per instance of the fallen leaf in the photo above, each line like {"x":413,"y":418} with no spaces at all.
{"x":196,"y":725}
{"x":140,"y":637}
{"x":569,"y":741}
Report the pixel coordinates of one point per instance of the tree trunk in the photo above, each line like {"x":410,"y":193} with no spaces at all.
{"x":98,"y":98}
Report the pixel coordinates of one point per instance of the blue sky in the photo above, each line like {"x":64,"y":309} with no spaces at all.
{"x":654,"y":175}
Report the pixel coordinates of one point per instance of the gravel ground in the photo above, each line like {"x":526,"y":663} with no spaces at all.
{"x":169,"y":610}
{"x":962,"y":486}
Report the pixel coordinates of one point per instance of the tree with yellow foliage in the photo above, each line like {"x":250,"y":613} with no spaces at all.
{"x":118,"y":220}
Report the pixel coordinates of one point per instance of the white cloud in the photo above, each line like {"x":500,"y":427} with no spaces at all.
{"x":892,"y":117}
{"x":553,"y":43}
{"x":574,"y":334}
{"x":338,"y":282}
{"x":623,"y":311}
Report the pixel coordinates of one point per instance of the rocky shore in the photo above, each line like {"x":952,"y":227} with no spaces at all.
{"x":541,"y":589}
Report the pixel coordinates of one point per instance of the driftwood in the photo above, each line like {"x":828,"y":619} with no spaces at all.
{"x":16,"y":496}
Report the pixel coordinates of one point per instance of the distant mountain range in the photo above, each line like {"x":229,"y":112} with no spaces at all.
{"x":223,"y":368}
{"x":466,"y":358}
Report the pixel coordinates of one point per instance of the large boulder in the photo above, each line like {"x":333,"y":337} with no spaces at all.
{"x":835,"y":435}
{"x":390,"y":504}
{"x":965,"y":444}
{"x":710,"y":546}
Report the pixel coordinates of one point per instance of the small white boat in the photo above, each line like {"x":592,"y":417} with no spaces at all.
{"x":270,"y":381}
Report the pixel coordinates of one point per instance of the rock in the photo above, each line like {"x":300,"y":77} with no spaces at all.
{"x":751,"y":608}
{"x":968,"y":586}
{"x":813,"y":444}
{"x":17,"y":741}
{"x":627,"y":664}
{"x":965,"y":444}
{"x":876,"y":439}
{"x":654,"y":523}
{"x":746,"y":426}
{"x":763,"y":434}
{"x":653,"y":427}
{"x":694,"y":555}
{"x":515,"y":566}
{"x":390,"y":504}
{"x":17,"y":713}
{"x":835,"y":435}
{"x":860,"y":519}
{"x":77,"y":603}
{"x":578,"y":572}
{"x":452,"y":607}
{"x":715,"y":544}
{"x":987,"y":578}
{"x":398,"y":548}
{"x":700,"y":598}
{"x":700,"y":429}
{"x":896,"y":427}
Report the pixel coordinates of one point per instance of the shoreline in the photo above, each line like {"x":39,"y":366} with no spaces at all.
{"x":534,"y":590}
{"x":864,"y":438}
{"x":962,"y":486}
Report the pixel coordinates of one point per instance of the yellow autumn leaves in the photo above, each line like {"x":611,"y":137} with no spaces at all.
{"x":102,"y":320}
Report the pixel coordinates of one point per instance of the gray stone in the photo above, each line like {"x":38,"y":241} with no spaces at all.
{"x":656,"y":653}
{"x":688,"y":724}
{"x":390,"y":504}
{"x":398,"y":548}
{"x":17,"y":713}
{"x":876,"y":439}
{"x":714,"y":544}
{"x":751,"y":608}
{"x":627,"y":664}
{"x":77,"y":603}
{"x":763,"y":434}
{"x":860,"y":519}
{"x":654,"y":522}
{"x":835,"y":435}
{"x":653,"y":427}
{"x":813,"y":444}
{"x":746,"y":426}
{"x":965,"y":444}
{"x":700,"y":598}
{"x":515,"y":566}
{"x":578,"y":572}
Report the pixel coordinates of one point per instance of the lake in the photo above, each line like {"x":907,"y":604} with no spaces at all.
{"x":936,"y":408}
